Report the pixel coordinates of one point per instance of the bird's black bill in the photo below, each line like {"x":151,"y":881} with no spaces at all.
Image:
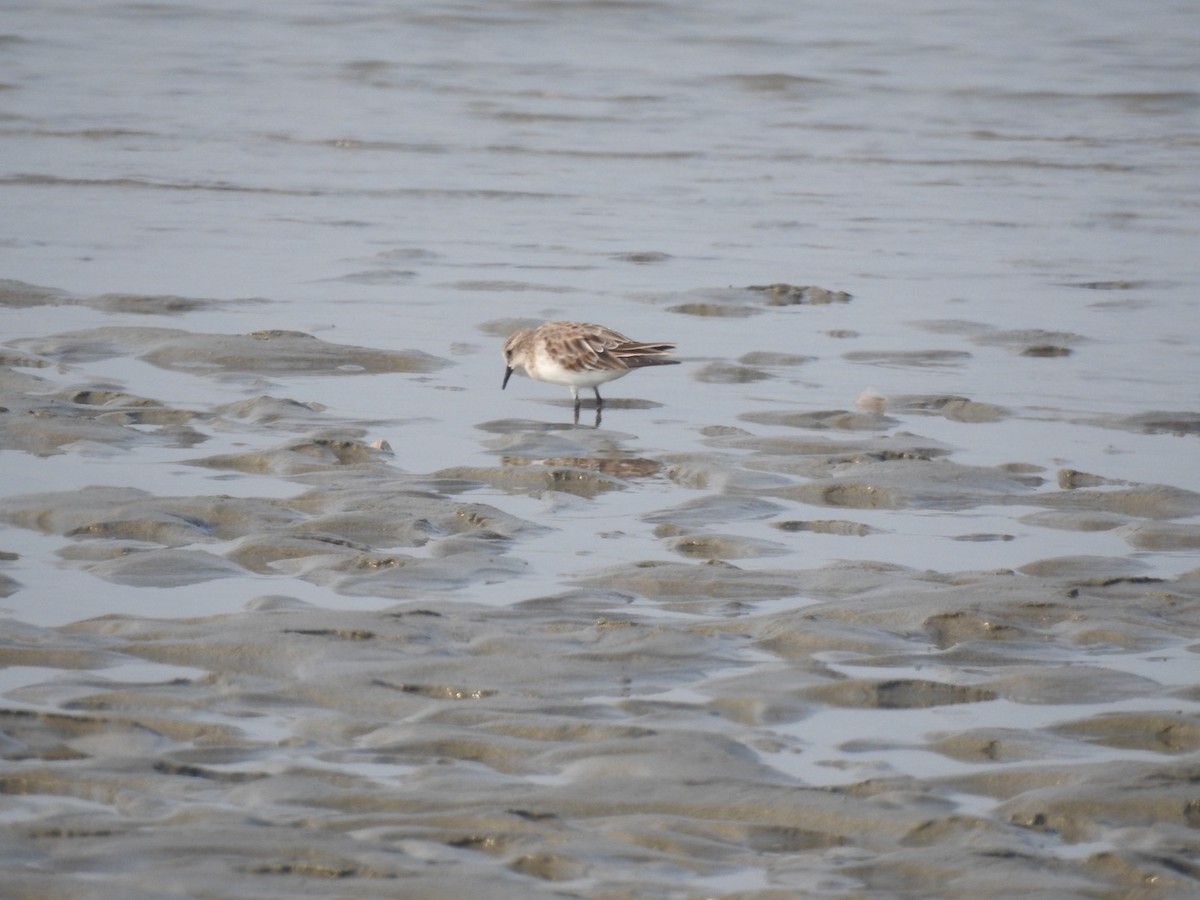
{"x":507,"y":375}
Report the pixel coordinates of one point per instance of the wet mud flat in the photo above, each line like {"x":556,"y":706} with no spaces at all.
{"x":712,"y":714}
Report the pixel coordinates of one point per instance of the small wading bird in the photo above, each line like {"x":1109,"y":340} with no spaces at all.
{"x":579,"y":355}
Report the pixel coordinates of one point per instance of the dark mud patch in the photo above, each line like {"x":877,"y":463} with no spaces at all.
{"x":533,"y":479}
{"x":341,"y":536}
{"x":1151,"y":501}
{"x":704,"y":545}
{"x":700,"y":587}
{"x":1180,"y":424}
{"x":954,"y":408}
{"x":752,"y":300}
{"x":42,"y":421}
{"x":18,"y":294}
{"x":796,"y":295}
{"x":1027,"y":342}
{"x":728,"y":373}
{"x":834,"y":419}
{"x":826,"y":526}
{"x":933,"y":358}
{"x":271,"y":352}
{"x":310,"y":454}
{"x":770,"y":358}
{"x":899,"y":483}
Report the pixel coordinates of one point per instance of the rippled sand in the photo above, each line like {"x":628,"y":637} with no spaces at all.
{"x":721,"y":714}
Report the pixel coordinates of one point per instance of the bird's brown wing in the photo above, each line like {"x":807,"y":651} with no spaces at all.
{"x":589,"y":347}
{"x":634,"y":355}
{"x":596,"y":348}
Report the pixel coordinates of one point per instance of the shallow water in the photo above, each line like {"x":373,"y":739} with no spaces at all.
{"x":891,"y":591}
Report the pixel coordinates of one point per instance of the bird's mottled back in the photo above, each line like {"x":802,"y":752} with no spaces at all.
{"x":579,"y":354}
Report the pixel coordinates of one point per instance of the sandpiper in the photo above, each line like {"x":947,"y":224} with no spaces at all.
{"x":579,"y":355}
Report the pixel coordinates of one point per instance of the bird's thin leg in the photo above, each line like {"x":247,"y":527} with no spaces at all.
{"x":599,"y":399}
{"x":575,"y":394}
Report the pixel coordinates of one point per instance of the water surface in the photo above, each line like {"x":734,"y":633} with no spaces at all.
{"x":891,"y":586}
